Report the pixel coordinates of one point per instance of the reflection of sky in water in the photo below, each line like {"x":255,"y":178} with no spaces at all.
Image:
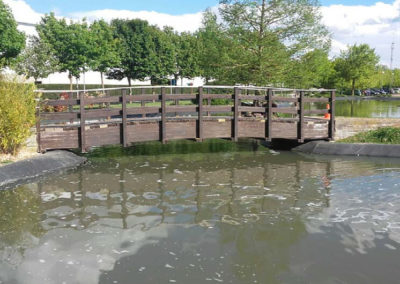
{"x":368,"y":206}
{"x":236,"y":218}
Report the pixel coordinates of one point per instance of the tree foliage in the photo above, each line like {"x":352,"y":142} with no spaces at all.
{"x":11,"y":40}
{"x":356,"y":63}
{"x":37,"y":60}
{"x":146,"y":51}
{"x":104,"y":52}
{"x":265,"y":34}
{"x":71,"y":43}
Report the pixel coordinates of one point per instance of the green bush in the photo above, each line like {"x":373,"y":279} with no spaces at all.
{"x":17,"y":113}
{"x":384,"y":135}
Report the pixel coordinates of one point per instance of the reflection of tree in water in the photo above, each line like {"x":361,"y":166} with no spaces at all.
{"x":20,"y":215}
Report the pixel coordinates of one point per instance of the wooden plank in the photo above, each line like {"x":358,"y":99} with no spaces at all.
{"x":67,"y":139}
{"x":268,"y":123}
{"x":200,"y":115}
{"x":68,"y":102}
{"x":124,"y":119}
{"x":163,"y":116}
{"x":235,"y":134}
{"x":146,"y":98}
{"x":290,"y":110}
{"x":39,"y":150}
{"x":113,"y":99}
{"x":59,"y":115}
{"x":331,"y":131}
{"x":284,"y":99}
{"x":178,"y":109}
{"x":316,"y":100}
{"x":143,"y":110}
{"x":252,"y":97}
{"x":217,"y":96}
{"x":181,"y":97}
{"x":144,"y":132}
{"x":300,"y":124}
{"x":82,"y":122}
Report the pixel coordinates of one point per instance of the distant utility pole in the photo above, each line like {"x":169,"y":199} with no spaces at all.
{"x":391,"y":65}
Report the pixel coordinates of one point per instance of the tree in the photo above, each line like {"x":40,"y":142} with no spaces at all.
{"x":266,"y":34}
{"x":313,"y":69}
{"x":71,"y":43}
{"x":356,"y":63}
{"x":11,"y":40}
{"x":37,"y":60}
{"x":104,"y":53}
{"x":146,"y":52}
{"x":186,"y":46}
{"x":213,"y":47}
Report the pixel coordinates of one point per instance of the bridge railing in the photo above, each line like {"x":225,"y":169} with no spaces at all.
{"x":232,"y":106}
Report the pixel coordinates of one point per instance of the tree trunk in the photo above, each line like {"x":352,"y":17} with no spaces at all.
{"x":102,"y":80}
{"x":70,"y":82}
{"x":353,"y":83}
{"x":129,"y":82}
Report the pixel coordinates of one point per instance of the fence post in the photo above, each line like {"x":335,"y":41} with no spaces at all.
{"x":236,"y":114}
{"x":163,"y":116}
{"x":268,"y":123}
{"x":332,"y":102}
{"x":143,"y":103}
{"x":200,"y":119}
{"x":300,"y":125}
{"x":39,"y":149}
{"x":82,"y":121}
{"x":124,"y":120}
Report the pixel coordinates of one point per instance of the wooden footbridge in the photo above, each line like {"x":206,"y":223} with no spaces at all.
{"x":85,"y":119}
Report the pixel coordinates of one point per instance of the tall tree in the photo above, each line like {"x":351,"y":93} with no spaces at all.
{"x":146,"y":52}
{"x":265,"y":34}
{"x":213,"y":47}
{"x":71,"y":43}
{"x":12,"y":42}
{"x":104,"y":53}
{"x":356,"y":63}
{"x":186,"y":46}
{"x":313,"y":69}
{"x":37,"y":60}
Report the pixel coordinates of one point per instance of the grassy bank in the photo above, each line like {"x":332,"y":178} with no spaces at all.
{"x":385,"y":135}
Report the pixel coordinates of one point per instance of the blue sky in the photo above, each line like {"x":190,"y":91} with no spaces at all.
{"x":174,"y":7}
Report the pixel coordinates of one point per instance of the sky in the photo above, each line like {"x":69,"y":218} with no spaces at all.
{"x":376,"y":23}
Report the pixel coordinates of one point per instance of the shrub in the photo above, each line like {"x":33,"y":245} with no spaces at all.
{"x":17,"y":113}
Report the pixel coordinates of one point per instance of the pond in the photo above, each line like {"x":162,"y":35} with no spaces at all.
{"x":374,"y":108}
{"x":233,"y":217}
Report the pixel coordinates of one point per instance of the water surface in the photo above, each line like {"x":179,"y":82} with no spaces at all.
{"x":237,"y":217}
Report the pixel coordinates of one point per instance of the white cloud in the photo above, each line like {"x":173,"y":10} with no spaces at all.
{"x":375,"y":25}
{"x":181,"y":23}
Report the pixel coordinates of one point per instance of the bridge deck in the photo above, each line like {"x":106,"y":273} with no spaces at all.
{"x":89,"y":121}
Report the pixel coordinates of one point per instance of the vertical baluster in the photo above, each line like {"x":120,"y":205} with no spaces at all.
{"x":332,"y":102}
{"x":163,"y":116}
{"x":300,"y":126}
{"x":200,"y":118}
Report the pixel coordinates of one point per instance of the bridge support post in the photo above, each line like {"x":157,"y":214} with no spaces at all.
{"x":200,"y":117}
{"x":236,"y":95}
{"x":300,"y":126}
{"x":268,"y":122}
{"x":124,"y":120}
{"x":332,"y":119}
{"x":163,"y":116}
{"x":82,"y":122}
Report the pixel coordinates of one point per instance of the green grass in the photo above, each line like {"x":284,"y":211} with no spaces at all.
{"x":385,"y":135}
